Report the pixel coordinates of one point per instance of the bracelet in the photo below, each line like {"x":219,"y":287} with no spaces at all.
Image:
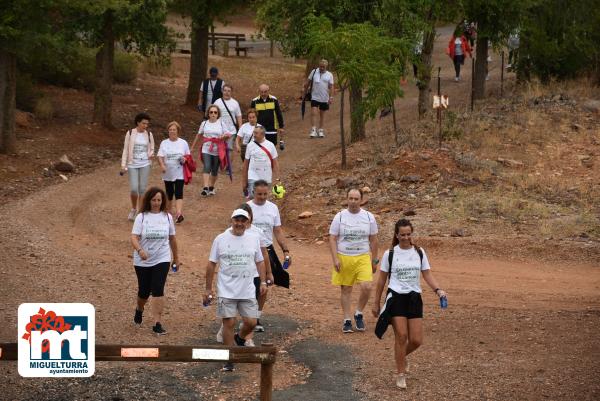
{"x":376,"y":261}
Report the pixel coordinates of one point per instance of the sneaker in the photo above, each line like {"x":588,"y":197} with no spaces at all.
{"x":321,"y":133}
{"x":131,"y":215}
{"x":313,"y":132}
{"x":220,"y":335}
{"x":360,"y":323}
{"x":137,"y":318}
{"x":212,"y":192}
{"x":228,"y":367}
{"x":456,"y":79}
{"x":259,"y":328}
{"x":204,"y":191}
{"x":250,"y":343}
{"x":239,"y":341}
{"x":179,"y":218}
{"x":347,"y":328}
{"x":401,"y":381}
{"x":158,"y":329}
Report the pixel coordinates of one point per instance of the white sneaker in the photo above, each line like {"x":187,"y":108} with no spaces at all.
{"x":220,"y":335}
{"x":401,"y":381}
{"x":456,"y":79}
{"x":313,"y":132}
{"x":212,"y":192}
{"x":250,"y":343}
{"x":131,"y":215}
{"x":321,"y":133}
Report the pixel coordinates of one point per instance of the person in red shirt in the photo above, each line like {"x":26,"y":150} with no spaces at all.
{"x":458,"y":49}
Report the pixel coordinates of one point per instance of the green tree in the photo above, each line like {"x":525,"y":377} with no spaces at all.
{"x":27,"y":27}
{"x":137,"y":25}
{"x":203,"y":14}
{"x":366,"y":60}
{"x":495,"y":20}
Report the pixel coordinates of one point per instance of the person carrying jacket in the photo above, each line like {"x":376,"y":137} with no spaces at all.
{"x":269,"y":113}
{"x":458,"y":49}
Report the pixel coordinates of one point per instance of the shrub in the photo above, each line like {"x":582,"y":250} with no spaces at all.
{"x":43,"y":109}
{"x":125,"y":67}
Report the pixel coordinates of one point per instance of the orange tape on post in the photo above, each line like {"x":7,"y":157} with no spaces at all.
{"x":139,"y":352}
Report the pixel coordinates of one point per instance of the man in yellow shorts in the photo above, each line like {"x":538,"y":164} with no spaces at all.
{"x":353,"y":246}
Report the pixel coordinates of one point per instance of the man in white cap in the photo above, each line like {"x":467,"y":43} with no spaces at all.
{"x":239,"y":257}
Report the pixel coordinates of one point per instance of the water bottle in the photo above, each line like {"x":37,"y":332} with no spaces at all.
{"x":281,"y":145}
{"x":286,"y":262}
{"x":207,"y":303}
{"x":174,"y":268}
{"x":443,"y":302}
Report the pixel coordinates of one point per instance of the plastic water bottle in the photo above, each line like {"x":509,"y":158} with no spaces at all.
{"x":286,"y":263}
{"x":281,"y":145}
{"x":174,"y":268}
{"x":207,"y":303}
{"x":443,"y":302}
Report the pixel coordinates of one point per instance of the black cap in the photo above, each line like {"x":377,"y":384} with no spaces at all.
{"x":213,"y":70}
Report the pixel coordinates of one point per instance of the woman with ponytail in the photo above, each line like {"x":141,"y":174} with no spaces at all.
{"x":403,"y":307}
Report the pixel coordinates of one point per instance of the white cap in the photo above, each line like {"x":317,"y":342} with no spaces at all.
{"x":240,"y":212}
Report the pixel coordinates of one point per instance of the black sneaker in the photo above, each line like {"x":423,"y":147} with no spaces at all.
{"x":239,"y":341}
{"x":204,"y":191}
{"x":360,"y":323}
{"x":347,"y":328}
{"x":179,"y":219}
{"x":137,"y":318}
{"x":158,"y":329}
{"x":228,"y":367}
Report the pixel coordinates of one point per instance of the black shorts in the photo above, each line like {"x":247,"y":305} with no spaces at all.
{"x":151,"y":280}
{"x":211,"y":164}
{"x":321,"y":105}
{"x":174,"y":188}
{"x":408,"y":305}
{"x":271,"y":137}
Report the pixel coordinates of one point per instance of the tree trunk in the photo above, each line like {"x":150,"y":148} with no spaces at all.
{"x":424,"y":72}
{"x":8,"y":89}
{"x":342,"y":132}
{"x":357,"y":119}
{"x":198,"y":60}
{"x":104,"y":74}
{"x":480,"y":66}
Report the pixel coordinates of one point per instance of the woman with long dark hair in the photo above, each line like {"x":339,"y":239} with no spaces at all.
{"x":403,"y":304}
{"x":153,"y":240}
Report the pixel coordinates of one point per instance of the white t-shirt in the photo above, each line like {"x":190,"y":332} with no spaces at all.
{"x":259,"y":167}
{"x":173,"y":152}
{"x":140,"y":151}
{"x":154,"y":230}
{"x":209,"y":91}
{"x":237,"y":257}
{"x":211,"y":130}
{"x":320,"y":85}
{"x":262,"y":240}
{"x":266,"y":217}
{"x":406,"y":269}
{"x":352,"y":231}
{"x":246,"y":132}
{"x":234,"y":108}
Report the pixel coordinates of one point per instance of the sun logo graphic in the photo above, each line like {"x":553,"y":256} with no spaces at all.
{"x":56,"y":340}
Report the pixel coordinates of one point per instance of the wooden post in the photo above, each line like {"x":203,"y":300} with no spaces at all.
{"x":266,"y":378}
{"x":502,"y":77}
{"x":237,"y":45}
{"x":472,"y":83}
{"x":271,"y":48}
{"x":212,"y":35}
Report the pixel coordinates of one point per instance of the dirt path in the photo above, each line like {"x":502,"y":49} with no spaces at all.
{"x":513,"y":330}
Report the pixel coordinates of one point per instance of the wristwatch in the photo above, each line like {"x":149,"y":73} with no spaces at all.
{"x":376,"y":260}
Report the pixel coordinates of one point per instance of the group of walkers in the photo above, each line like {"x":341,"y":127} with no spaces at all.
{"x":243,"y":256}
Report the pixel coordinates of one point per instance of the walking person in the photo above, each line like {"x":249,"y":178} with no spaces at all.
{"x":319,"y":85}
{"x":403,"y":264}
{"x":239,"y":257}
{"x":171,"y":156}
{"x":231,"y":114}
{"x":353,"y":245}
{"x":136,"y":159}
{"x":458,"y":49}
{"x":260,"y":163}
{"x":267,"y":218}
{"x":269,"y":113}
{"x":246,"y":133}
{"x":154,"y":245}
{"x":213,"y":152}
{"x":211,"y":90}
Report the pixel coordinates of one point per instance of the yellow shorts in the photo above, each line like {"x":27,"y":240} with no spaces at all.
{"x":353,"y":269}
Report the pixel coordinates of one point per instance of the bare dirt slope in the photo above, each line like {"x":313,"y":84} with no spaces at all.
{"x":514,"y":330}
